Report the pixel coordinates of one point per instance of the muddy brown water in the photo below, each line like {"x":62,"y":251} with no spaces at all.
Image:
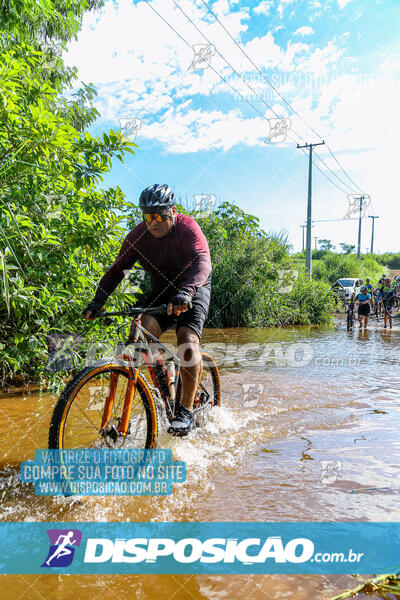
{"x":295,"y":399}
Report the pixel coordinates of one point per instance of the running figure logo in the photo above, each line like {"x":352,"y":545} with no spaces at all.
{"x":62,"y":542}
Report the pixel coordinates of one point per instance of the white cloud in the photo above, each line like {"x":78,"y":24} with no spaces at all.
{"x":199,"y":130}
{"x":343,"y":3}
{"x":281,"y":6}
{"x":264,"y":8}
{"x":305,"y":30}
{"x":391,"y":64}
{"x":321,"y":59}
{"x":147,"y":76}
{"x":222,"y":7}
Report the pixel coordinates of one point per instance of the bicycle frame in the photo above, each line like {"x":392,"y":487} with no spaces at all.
{"x":157,"y":371}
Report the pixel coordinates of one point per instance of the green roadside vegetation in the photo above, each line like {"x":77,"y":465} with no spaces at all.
{"x":58,"y":226}
{"x":383,"y":586}
{"x":330,"y":266}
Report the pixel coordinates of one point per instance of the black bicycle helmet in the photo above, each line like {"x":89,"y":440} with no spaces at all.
{"x":156,"y":198}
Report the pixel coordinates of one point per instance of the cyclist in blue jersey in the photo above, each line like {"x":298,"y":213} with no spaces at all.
{"x":364,"y":306}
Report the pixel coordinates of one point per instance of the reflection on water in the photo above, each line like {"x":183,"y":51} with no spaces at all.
{"x":308,"y":431}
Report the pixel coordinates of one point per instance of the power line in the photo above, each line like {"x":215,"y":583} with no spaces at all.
{"x":329,"y":179}
{"x":333,"y":173}
{"x":253,"y":90}
{"x":332,"y":220}
{"x":233,"y":68}
{"x":212,"y":68}
{"x":261,"y":73}
{"x":345,"y":172}
{"x":277,"y":92}
{"x":237,"y":92}
{"x":256,"y":94}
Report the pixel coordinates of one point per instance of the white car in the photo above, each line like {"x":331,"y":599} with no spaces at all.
{"x":350,"y":285}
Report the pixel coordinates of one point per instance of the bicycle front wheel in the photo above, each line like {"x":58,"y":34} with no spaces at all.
{"x":350,"y":317}
{"x":78,"y":419}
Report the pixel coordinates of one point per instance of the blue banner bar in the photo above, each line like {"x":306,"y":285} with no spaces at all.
{"x":212,"y":548}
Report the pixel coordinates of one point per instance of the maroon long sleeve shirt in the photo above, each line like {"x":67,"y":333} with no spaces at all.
{"x":178,"y":261}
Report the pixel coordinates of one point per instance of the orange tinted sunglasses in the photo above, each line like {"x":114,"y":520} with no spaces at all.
{"x":158,"y":217}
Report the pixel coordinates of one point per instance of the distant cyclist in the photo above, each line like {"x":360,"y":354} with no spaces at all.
{"x":382,"y":279}
{"x":368,"y":286}
{"x":386,"y":292}
{"x":364,"y":306}
{"x":172,"y":248}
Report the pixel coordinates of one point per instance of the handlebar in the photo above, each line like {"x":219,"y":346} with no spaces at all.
{"x":135,"y":311}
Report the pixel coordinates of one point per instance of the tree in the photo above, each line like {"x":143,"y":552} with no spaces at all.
{"x":58,"y":228}
{"x":347,"y":248}
{"x":326,"y":244}
{"x":44,"y":20}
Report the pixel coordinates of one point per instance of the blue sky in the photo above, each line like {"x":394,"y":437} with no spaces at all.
{"x":337,"y":63}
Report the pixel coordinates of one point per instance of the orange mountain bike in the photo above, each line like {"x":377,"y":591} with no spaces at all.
{"x":117,"y":401}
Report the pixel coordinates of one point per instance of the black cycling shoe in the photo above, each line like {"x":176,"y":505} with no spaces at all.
{"x":182,"y":423}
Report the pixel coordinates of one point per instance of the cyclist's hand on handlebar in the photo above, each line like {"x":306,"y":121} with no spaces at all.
{"x":176,"y":309}
{"x":179,"y":303}
{"x":92,"y":311}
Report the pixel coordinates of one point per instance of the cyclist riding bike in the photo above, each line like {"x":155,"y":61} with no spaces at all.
{"x":172,"y":248}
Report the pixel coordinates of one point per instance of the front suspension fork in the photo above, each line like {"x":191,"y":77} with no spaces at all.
{"x":123,"y":426}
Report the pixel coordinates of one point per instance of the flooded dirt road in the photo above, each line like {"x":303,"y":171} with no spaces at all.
{"x":309,"y":431}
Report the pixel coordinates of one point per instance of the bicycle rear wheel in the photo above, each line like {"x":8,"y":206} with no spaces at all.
{"x":208,"y":393}
{"x":78,"y":417}
{"x":393,"y":306}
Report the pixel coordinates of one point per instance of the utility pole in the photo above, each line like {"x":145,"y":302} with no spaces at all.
{"x":308,"y":241}
{"x":372,"y":233}
{"x":360,"y":198}
{"x":315,"y":241}
{"x":303,"y":227}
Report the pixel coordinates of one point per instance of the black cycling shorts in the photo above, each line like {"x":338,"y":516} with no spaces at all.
{"x":364,"y":310}
{"x":193,"y":318}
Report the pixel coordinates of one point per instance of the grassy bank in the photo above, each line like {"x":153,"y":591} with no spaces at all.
{"x":330,"y":266}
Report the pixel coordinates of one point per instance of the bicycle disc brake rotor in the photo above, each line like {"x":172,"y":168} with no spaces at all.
{"x":111,"y":435}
